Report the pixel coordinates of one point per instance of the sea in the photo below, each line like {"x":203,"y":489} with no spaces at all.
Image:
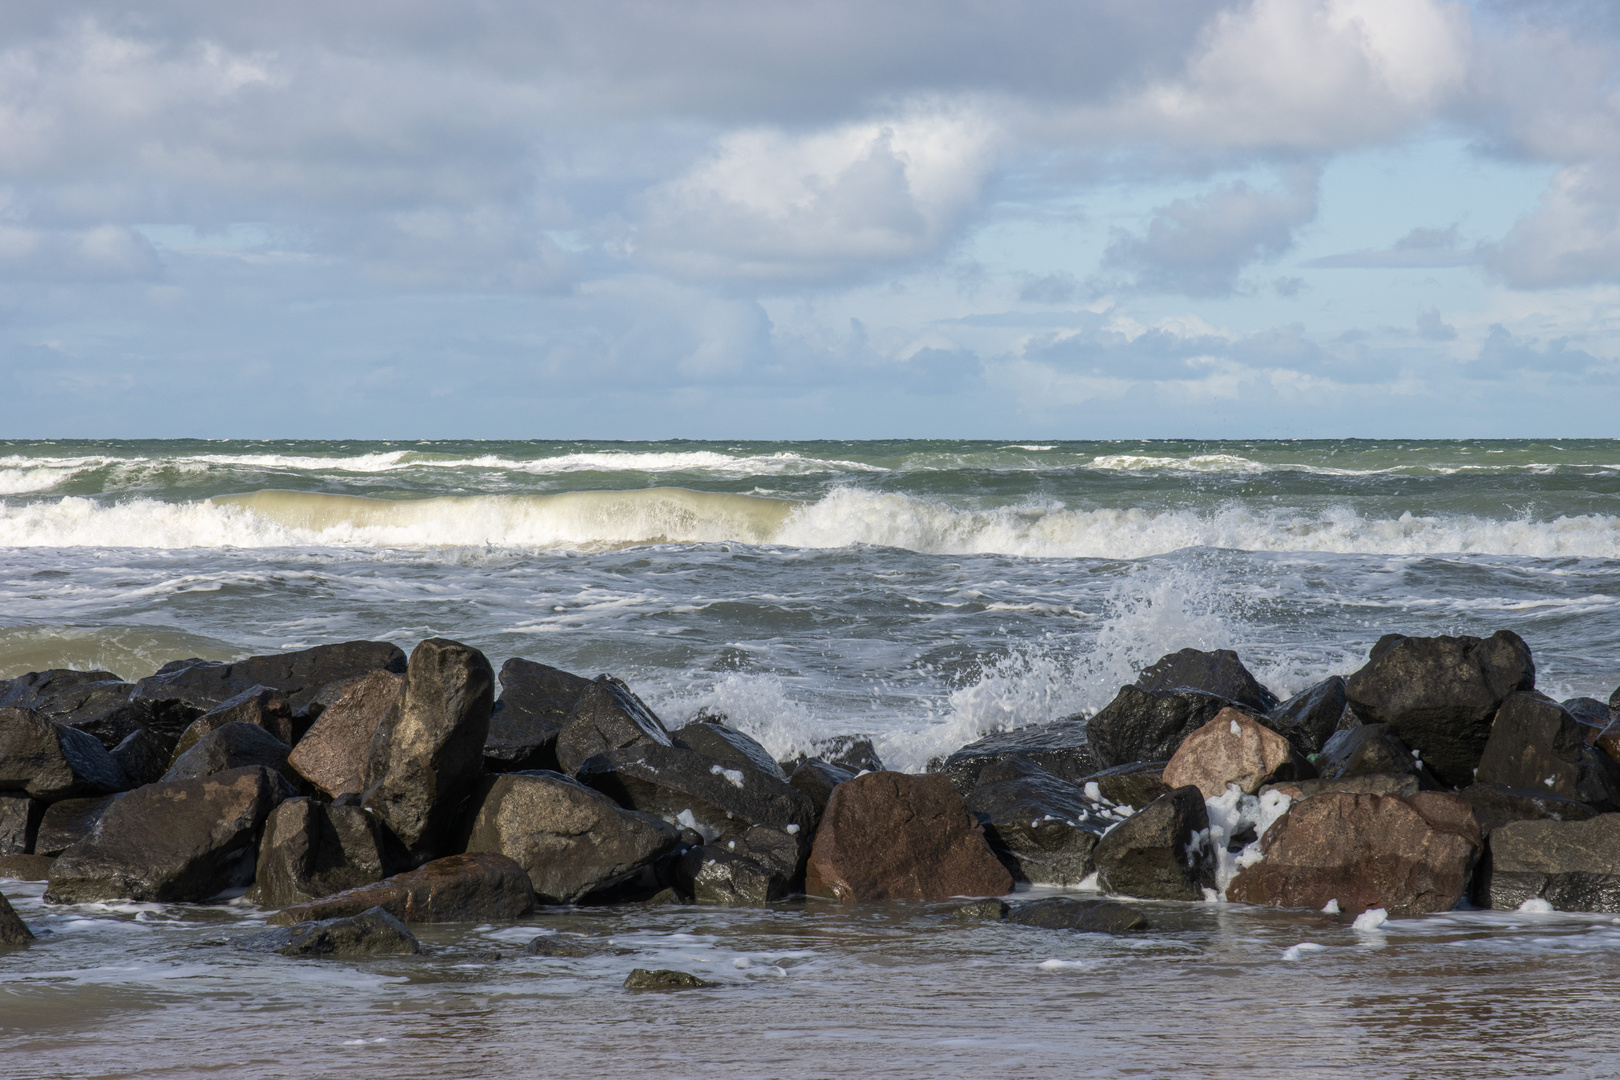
{"x":920,"y":593}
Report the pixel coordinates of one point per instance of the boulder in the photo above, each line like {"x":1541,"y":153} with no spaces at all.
{"x":662,"y":979}
{"x":1590,"y":713}
{"x":1217,"y":672}
{"x":334,"y":752}
{"x":26,"y":867}
{"x":188,"y":840}
{"x":1440,"y":694}
{"x":556,"y":945}
{"x":1142,"y":726}
{"x":1369,"y":784}
{"x":95,"y":702}
{"x":534,"y":704}
{"x":19,"y":823}
{"x":1309,"y":718}
{"x":144,"y":756}
{"x":727,"y":744}
{"x":475,"y":887}
{"x":1134,"y":785}
{"x":1042,"y":827}
{"x":1406,"y":855}
{"x":311,"y":850}
{"x":67,"y":822}
{"x":1573,"y":865}
{"x":13,"y":931}
{"x":51,"y":762}
{"x":607,"y":716}
{"x":817,"y":778}
{"x":1537,"y":744}
{"x":258,"y":705}
{"x":1497,"y":804}
{"x":783,"y":850}
{"x":570,"y":839}
{"x":1154,"y":854}
{"x":301,"y":676}
{"x":990,"y":909}
{"x":1234,"y":749}
{"x":712,"y":875}
{"x":373,"y":932}
{"x":428,"y":754}
{"x":1061,"y":748}
{"x":888,"y":836}
{"x":853,"y":752}
{"x":234,"y":746}
{"x":1066,"y":913}
{"x":1368,"y":750}
{"x":717,"y":798}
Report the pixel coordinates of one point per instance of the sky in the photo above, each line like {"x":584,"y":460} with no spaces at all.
{"x":810,"y":219}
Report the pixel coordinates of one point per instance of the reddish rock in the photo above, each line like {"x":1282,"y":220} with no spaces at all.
{"x":1408,"y":855}
{"x":477,"y":887}
{"x":332,"y":755}
{"x":1233,"y":749}
{"x":890,"y":836}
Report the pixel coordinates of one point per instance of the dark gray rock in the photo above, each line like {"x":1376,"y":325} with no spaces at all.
{"x":233,"y":746}
{"x":853,"y":752}
{"x":662,"y":979}
{"x":301,"y":676}
{"x":1497,"y":804}
{"x":67,"y":822}
{"x":1134,"y":785}
{"x":188,"y":840}
{"x":144,"y":756}
{"x":1041,"y":827}
{"x":993,"y":909}
{"x":1061,"y":748}
{"x":1142,"y":726}
{"x":571,"y":840}
{"x":713,"y":875}
{"x":1440,"y":694}
{"x":19,"y":824}
{"x":727,"y":744}
{"x":1573,"y":865}
{"x":782,"y":850}
{"x":1152,"y":854}
{"x":51,"y":762}
{"x":13,"y":931}
{"x":1537,"y":744}
{"x":477,"y":886}
{"x":1217,"y":672}
{"x":607,"y":716}
{"x":373,"y":932}
{"x":1371,"y":749}
{"x":559,"y":946}
{"x":1590,"y":713}
{"x":428,"y":752}
{"x":718,"y":798}
{"x":1065,"y":913}
{"x":1309,"y":718}
{"x":534,"y":704}
{"x":258,"y":705}
{"x":311,"y":850}
{"x":95,"y":702}
{"x":817,"y":778}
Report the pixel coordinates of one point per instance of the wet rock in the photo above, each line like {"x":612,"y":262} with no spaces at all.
{"x":1134,"y":785}
{"x":607,"y":716}
{"x":713,"y":875}
{"x":1234,"y":749}
{"x":1042,"y":827}
{"x":1218,"y":672}
{"x":186,"y":840}
{"x":570,"y":839}
{"x":817,"y":778}
{"x":534,"y":704}
{"x":311,"y":850}
{"x":234,"y":746}
{"x":475,"y":887}
{"x":13,"y":931}
{"x":1142,"y":726}
{"x":144,"y":756}
{"x":559,"y":946}
{"x":1440,"y":694}
{"x":51,"y":762}
{"x":1370,"y":784}
{"x":1153,"y":854}
{"x":1536,"y":743}
{"x":25,"y":867}
{"x":853,"y":752}
{"x":1497,"y":804}
{"x":1371,"y":749}
{"x":204,"y":685}
{"x":1309,"y":718}
{"x":258,"y":705}
{"x":373,"y":932}
{"x":19,"y":823}
{"x":727,"y":744}
{"x":1061,"y":748}
{"x":95,"y":702}
{"x":1065,"y":913}
{"x":888,"y":836}
{"x":990,"y":909}
{"x":1406,"y":855}
{"x":662,"y":979}
{"x":782,"y":850}
{"x":334,"y":752}
{"x":428,"y":754}
{"x":67,"y":822}
{"x":1590,"y":713}
{"x":1573,"y":865}
{"x":718,"y":798}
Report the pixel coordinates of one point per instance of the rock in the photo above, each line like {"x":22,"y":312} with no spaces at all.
{"x":144,"y":756}
{"x":1535,"y":743}
{"x":25,"y":867}
{"x":784,"y":851}
{"x":1134,"y":785}
{"x":556,"y":945}
{"x":373,"y":932}
{"x":258,"y":705}
{"x":817,"y":778}
{"x":607,"y":717}
{"x":1309,"y":718}
{"x":475,"y":887}
{"x":712,"y":875}
{"x":1440,"y":694}
{"x":1234,"y":749}
{"x":311,"y":850}
{"x":1218,"y":672}
{"x":1406,"y":855}
{"x":991,"y":909}
{"x":334,"y":752}
{"x":1153,"y":854}
{"x":1497,"y":804}
{"x":1590,"y":713}
{"x":1141,"y":726}
{"x":428,"y":754}
{"x":1061,"y":748}
{"x":19,"y":823}
{"x":853,"y":752}
{"x":13,"y":931}
{"x":534,"y":704}
{"x":95,"y":702}
{"x":1573,"y":865}
{"x":1065,"y":913}
{"x":203,"y":684}
{"x":662,"y":979}
{"x":888,"y":836}
{"x":1369,"y":784}
{"x":717,"y":798}
{"x":1371,"y":749}
{"x":234,"y":746}
{"x":1042,"y":827}
{"x":187,"y":840}
{"x":67,"y":822}
{"x":51,"y":762}
{"x":727,"y":744}
{"x":570,"y":839}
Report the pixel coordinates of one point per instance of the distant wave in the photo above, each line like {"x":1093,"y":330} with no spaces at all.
{"x":599,"y":520}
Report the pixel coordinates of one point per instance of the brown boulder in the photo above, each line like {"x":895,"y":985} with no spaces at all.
{"x":1233,"y":749}
{"x":1408,"y":855}
{"x":26,"y":867}
{"x":477,"y":887}
{"x":890,"y":836}
{"x":332,"y":755}
{"x":13,"y":931}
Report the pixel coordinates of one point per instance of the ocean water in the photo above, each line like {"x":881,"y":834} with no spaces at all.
{"x":923,"y":593}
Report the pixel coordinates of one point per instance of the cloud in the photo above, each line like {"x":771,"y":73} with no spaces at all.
{"x":1572,"y":238}
{"x":1430,"y":327}
{"x":1504,"y":357}
{"x":1059,"y":288}
{"x":1420,"y":249}
{"x":103,"y":253}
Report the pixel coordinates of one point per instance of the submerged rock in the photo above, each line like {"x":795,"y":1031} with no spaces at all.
{"x":1234,"y":749}
{"x":608,"y":716}
{"x":1536,"y":743}
{"x":334,"y":752}
{"x":717,"y":798}
{"x":1066,"y":913}
{"x":535,"y":702}
{"x":1217,"y":672}
{"x":311,"y":850}
{"x":556,"y":945}
{"x":479,"y":886}
{"x":1154,"y":854}
{"x":662,"y":979}
{"x":1309,"y":718}
{"x":1142,"y":726}
{"x":1573,"y":865}
{"x":51,"y":762}
{"x":991,"y":909}
{"x":19,"y":823}
{"x":1061,"y":748}
{"x":373,"y":932}
{"x":1041,"y":826}
{"x":13,"y":931}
